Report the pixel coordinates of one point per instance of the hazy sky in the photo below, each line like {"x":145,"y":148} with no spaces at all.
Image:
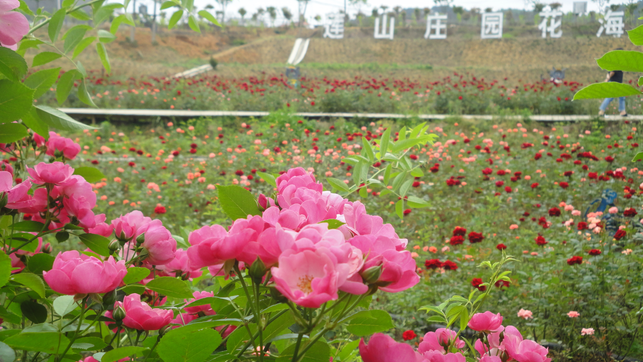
{"x":321,"y":7}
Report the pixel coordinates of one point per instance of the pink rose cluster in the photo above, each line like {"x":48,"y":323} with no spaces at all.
{"x":148,"y":239}
{"x":310,"y":261}
{"x":443,"y":345}
{"x":57,"y":146}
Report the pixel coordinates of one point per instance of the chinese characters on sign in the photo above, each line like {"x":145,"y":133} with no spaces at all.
{"x":551,"y":20}
{"x":612,"y":24}
{"x":436,"y":27}
{"x":334,"y":27}
{"x":491,"y":26}
{"x":382,"y":34}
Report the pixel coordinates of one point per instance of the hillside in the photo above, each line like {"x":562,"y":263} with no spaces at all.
{"x":243,"y":51}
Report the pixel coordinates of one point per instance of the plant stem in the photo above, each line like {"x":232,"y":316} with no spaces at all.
{"x":80,"y":322}
{"x":297,"y":345}
{"x":153,"y":347}
{"x":44,"y":22}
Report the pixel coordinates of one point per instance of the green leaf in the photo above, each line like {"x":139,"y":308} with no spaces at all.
{"x":28,"y":44}
{"x":28,"y":225}
{"x":33,"y":311}
{"x":135,"y":275}
{"x":31,"y":281}
{"x":464,"y":318}
{"x":194,"y":346}
{"x":104,"y":12}
{"x":399,"y":208}
{"x":40,"y":262}
{"x":623,"y":60}
{"x":337,"y":184}
{"x":370,"y":321}
{"x":102,"y":54}
{"x":83,"y":94}
{"x":44,"y":58}
{"x":386,"y":137}
{"x":11,"y":132}
{"x":366,"y":145}
{"x":333,"y":223}
{"x":170,"y":287}
{"x":606,"y":90}
{"x":175,"y":18}
{"x":119,"y":353}
{"x":15,"y":99}
{"x":42,"y":80}
{"x":318,"y":352}
{"x":206,"y":15}
{"x":168,"y":4}
{"x":637,"y":157}
{"x":65,"y":84}
{"x":118,"y":21}
{"x":268,"y":178}
{"x":56,"y":24}
{"x":636,"y":35}
{"x":64,"y":305}
{"x":47,"y":342}
{"x":194,"y":25}
{"x":59,"y":120}
{"x":25,"y":9}
{"x":105,"y":36}
{"x":97,"y":243}
{"x":133,"y":288}
{"x":405,"y":187}
{"x":82,"y":45}
{"x":80,"y":15}
{"x":12,"y":65}
{"x":73,"y":37}
{"x":5,"y":269}
{"x":237,"y":202}
{"x":33,"y":121}
{"x":95,"y":342}
{"x":6,"y":353}
{"x":416,"y":202}
{"x":90,"y":174}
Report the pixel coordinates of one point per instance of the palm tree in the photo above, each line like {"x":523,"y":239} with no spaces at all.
{"x":374,"y":12}
{"x":242,"y":12}
{"x":223,"y":4}
{"x":555,"y":6}
{"x":287,"y":13}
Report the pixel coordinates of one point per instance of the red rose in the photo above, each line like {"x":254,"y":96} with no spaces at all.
{"x":575,"y":260}
{"x":534,"y":185}
{"x":620,"y":234}
{"x":459,"y":231}
{"x":408,"y":335}
{"x":594,"y":252}
{"x":449,"y":265}
{"x":564,"y":185}
{"x":433,"y":264}
{"x":476,"y":284}
{"x":540,"y":240}
{"x":160,"y":209}
{"x":502,"y":284}
{"x":629,"y":212}
{"x":582,"y":226}
{"x":499,"y":183}
{"x":554,"y":211}
{"x":475,"y":237}
{"x":501,"y":246}
{"x":456,"y":240}
{"x":487,"y":171}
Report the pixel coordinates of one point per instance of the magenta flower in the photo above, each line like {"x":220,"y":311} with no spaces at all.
{"x":74,"y":273}
{"x":56,"y":173}
{"x":206,"y":308}
{"x":523,"y":350}
{"x":16,"y":195}
{"x":296,"y":186}
{"x":139,"y":315}
{"x":383,"y":348}
{"x":308,"y":278}
{"x":439,"y":340}
{"x":13,"y":25}
{"x":159,"y":243}
{"x":64,"y":146}
{"x":126,"y":226}
{"x":101,"y":227}
{"x":435,"y":356}
{"x":180,"y":266}
{"x":486,"y":322}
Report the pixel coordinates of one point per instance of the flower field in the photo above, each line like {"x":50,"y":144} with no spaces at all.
{"x":480,"y":191}
{"x":456,"y":94}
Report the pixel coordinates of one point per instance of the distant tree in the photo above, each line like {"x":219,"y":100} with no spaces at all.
{"x":318,"y":17}
{"x":272,"y":12}
{"x":426,"y":12}
{"x":601,"y":5}
{"x":488,"y":10}
{"x":287,"y":13}
{"x":397,"y":9}
{"x":443,"y":3}
{"x":538,"y":7}
{"x":383,"y":7}
{"x":631,"y":8}
{"x":615,"y":7}
{"x":458,"y":10}
{"x":302,"y":12}
{"x":358,"y":4}
{"x":417,"y":13}
{"x":223,"y":4}
{"x":209,"y":7}
{"x":242,"y":12}
{"x":374,"y":12}
{"x":555,"y":6}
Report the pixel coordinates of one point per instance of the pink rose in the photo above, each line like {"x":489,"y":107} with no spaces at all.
{"x":101,"y":227}
{"x":158,"y":242}
{"x":493,"y":346}
{"x":180,"y":266}
{"x":206,"y":308}
{"x":213,"y":245}
{"x":525,"y":314}
{"x":79,"y":200}
{"x":139,"y":315}
{"x":63,"y":146}
{"x":126,"y":226}
{"x":56,"y":173}
{"x":308,"y":278}
{"x":270,"y":244}
{"x":487,"y":358}
{"x":439,"y":340}
{"x":13,"y":25}
{"x":383,"y":348}
{"x":16,"y":195}
{"x":523,"y":350}
{"x":39,"y":140}
{"x":435,"y":356}
{"x":296,"y":186}
{"x":486,"y":322}
{"x":573,"y":314}
{"x":398,"y":267}
{"x":74,"y":273}
{"x":361,"y":223}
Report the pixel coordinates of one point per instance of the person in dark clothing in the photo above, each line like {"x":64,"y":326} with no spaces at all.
{"x":614,"y":76}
